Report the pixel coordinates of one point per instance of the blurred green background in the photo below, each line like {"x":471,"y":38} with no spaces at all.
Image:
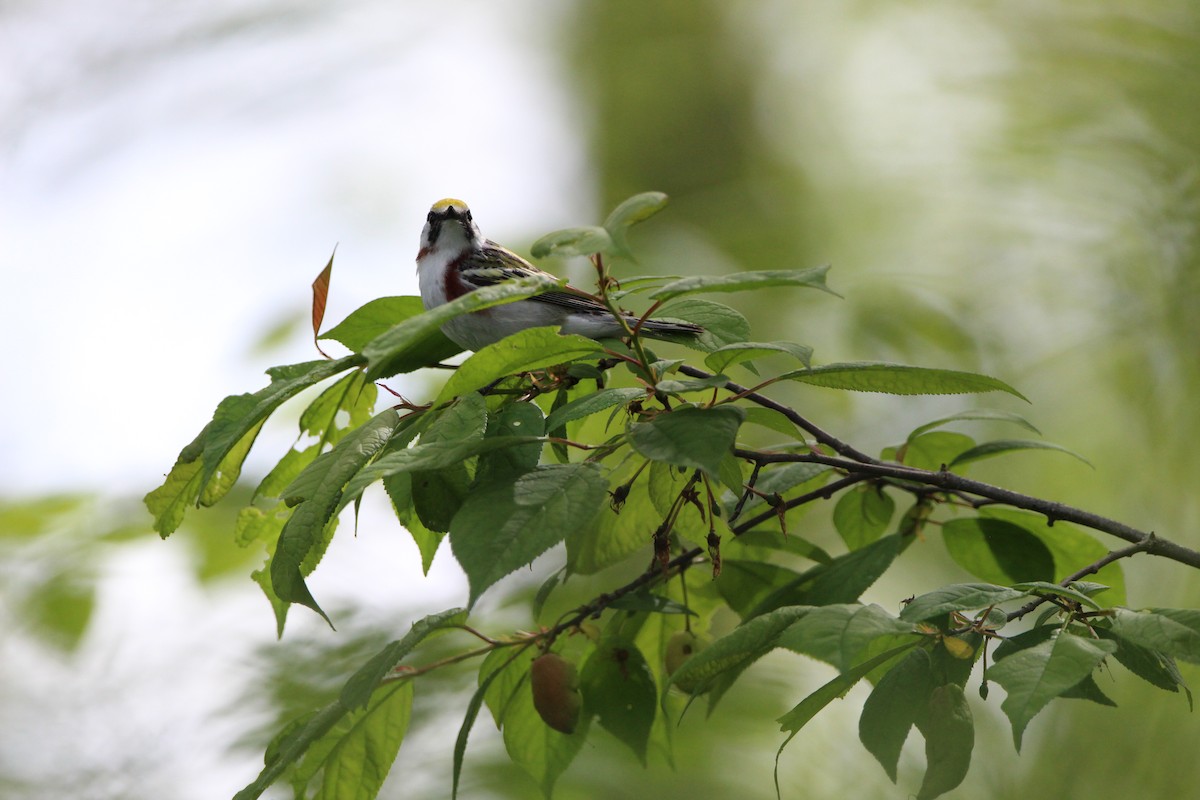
{"x":1009,"y":188}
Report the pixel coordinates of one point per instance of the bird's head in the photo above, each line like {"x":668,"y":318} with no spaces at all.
{"x":449,"y":227}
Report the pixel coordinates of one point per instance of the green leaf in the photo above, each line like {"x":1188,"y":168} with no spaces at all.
{"x":359,"y":687}
{"x":1002,"y":446}
{"x":1036,"y":675}
{"x":636,"y":209}
{"x":326,"y":476}
{"x":238,"y":415}
{"x":976,"y":414}
{"x":738,"y":649}
{"x":958,"y":597}
{"x":377,"y":316}
{"x":534,"y":746}
{"x":689,"y":436}
{"x":813,"y":278}
{"x":612,"y":535}
{"x":896,"y":703}
{"x":181,"y":489}
{"x":532,"y":348}
{"x":439,"y":494}
{"x":843,"y":634}
{"x":746,"y":584}
{"x":932,"y":450}
{"x":619,"y":689}
{"x":1170,"y":631}
{"x":722,"y":325}
{"x":362,"y":746}
{"x":514,"y":419}
{"x":501,"y":528}
{"x":841,"y":581}
{"x":787,"y":542}
{"x":949,"y":731}
{"x":292,"y":747}
{"x":591,"y":404}
{"x":581,"y":241}
{"x":739,"y":352}
{"x":1148,"y":664}
{"x":997,"y":551}
{"x":476,"y":702}
{"x":862,"y":515}
{"x":411,"y":344}
{"x":399,"y":491}
{"x":869,"y":376}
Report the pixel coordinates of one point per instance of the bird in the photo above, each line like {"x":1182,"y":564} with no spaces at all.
{"x":455,"y":259}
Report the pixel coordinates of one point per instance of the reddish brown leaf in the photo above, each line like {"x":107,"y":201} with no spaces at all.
{"x":320,"y":296}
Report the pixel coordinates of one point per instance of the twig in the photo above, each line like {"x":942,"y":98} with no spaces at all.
{"x":1091,"y":569}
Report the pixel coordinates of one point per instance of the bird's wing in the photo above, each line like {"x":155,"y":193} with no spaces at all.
{"x":493,"y":264}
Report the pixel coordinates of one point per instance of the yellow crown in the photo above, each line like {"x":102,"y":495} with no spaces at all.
{"x":442,"y":205}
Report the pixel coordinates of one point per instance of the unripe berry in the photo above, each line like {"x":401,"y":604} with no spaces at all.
{"x":680,"y":648}
{"x":556,"y":696}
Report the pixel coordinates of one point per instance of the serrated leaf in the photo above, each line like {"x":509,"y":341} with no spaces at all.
{"x":739,"y":352}
{"x":612,"y":535}
{"x":722,"y":325}
{"x":812,"y":278}
{"x":997,"y":551}
{"x":958,"y":597}
{"x":635,"y":209}
{"x":738,"y":649}
{"x":870,"y":376}
{"x":1170,"y":631}
{"x":746,"y":584}
{"x":1036,"y":675}
{"x":1154,"y":667}
{"x":292,"y":747}
{"x":238,"y":415}
{"x":514,"y":419}
{"x":411,"y":344}
{"x":329,"y":474}
{"x":591,"y":404}
{"x":501,"y":528}
{"x":379,"y":315}
{"x":787,"y":542}
{"x":619,"y":689}
{"x":532,"y":348}
{"x":362,"y":683}
{"x":1002,"y":446}
{"x":843,"y":580}
{"x":986,"y":414}
{"x":843,"y":634}
{"x":364,"y":746}
{"x":582,"y":241}
{"x":949,"y":731}
{"x":689,"y":436}
{"x":895,"y":704}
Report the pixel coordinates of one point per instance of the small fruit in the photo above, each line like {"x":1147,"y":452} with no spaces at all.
{"x":680,"y":647}
{"x":556,"y":696}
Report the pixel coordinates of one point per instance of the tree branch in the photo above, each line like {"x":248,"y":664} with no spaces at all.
{"x":949,"y":481}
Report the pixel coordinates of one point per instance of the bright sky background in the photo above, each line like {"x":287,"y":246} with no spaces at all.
{"x":165,"y":200}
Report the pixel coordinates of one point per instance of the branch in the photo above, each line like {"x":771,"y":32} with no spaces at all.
{"x":821,"y":435}
{"x":949,"y":481}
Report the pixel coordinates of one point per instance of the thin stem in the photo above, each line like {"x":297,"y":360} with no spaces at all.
{"x":1091,"y":569}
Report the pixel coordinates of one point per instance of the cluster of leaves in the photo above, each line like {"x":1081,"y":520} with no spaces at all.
{"x":624,"y":456}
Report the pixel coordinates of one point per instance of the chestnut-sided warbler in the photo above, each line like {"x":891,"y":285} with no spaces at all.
{"x":455,"y":259}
